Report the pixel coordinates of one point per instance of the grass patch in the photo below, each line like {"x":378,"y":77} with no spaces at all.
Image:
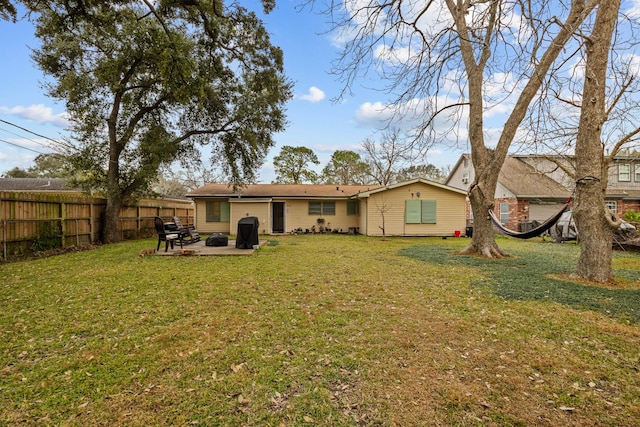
{"x":312,"y":330}
{"x":540,"y":272}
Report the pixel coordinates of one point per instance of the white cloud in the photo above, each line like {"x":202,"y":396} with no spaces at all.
{"x":330,"y":148}
{"x":634,"y":9}
{"x":10,"y":158}
{"x":314,"y":95}
{"x":373,"y":114}
{"x":38,"y":113}
{"x":633,"y":61}
{"x":398,"y":55}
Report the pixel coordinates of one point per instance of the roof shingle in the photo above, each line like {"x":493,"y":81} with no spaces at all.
{"x":280,"y":190}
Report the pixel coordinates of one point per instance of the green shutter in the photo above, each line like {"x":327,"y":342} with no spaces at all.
{"x":412,"y":211}
{"x":428,"y":211}
{"x":352,"y":207}
{"x":225,"y":212}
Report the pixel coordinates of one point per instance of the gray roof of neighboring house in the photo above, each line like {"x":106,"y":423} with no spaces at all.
{"x":623,"y":193}
{"x":34,"y":184}
{"x":524,"y":181}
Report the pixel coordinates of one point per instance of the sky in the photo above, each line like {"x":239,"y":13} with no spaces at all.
{"x":315,"y":120}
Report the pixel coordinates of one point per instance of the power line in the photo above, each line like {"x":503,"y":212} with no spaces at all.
{"x":28,"y":139}
{"x":64,"y":143}
{"x":20,"y":146}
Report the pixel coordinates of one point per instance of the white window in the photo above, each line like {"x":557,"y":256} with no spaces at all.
{"x":624,"y":173}
{"x":637,"y":172}
{"x":465,"y":178}
{"x":504,"y":213}
{"x":612,"y":205}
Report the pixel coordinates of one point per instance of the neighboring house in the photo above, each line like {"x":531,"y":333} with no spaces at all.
{"x":414,"y":208}
{"x":57,"y":185}
{"x":533,"y":187}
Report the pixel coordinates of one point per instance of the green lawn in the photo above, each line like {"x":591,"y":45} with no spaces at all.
{"x":329,"y":330}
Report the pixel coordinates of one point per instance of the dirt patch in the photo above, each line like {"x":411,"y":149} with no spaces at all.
{"x":48,"y":253}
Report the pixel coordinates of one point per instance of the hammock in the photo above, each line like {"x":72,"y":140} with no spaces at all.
{"x":534,"y":232}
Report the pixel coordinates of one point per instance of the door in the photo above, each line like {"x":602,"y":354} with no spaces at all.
{"x":277,"y":209}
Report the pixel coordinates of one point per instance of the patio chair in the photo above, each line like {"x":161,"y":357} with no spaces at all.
{"x":166,"y":236}
{"x":189,"y":233}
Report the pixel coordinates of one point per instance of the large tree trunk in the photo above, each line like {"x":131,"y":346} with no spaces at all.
{"x":594,"y":227}
{"x":110,"y":220}
{"x":488,"y":162}
{"x":114,"y":192}
{"x":483,"y":242}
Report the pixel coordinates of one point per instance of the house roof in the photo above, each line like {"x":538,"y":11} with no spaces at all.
{"x":520,"y":177}
{"x":34,"y":184}
{"x":280,"y":190}
{"x":525,"y":182}
{"x":624,"y":194}
{"x":367,"y":193}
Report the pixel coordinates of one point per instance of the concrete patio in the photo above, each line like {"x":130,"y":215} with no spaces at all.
{"x":200,"y":249}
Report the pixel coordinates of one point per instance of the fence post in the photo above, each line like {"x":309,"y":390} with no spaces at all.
{"x":63,"y":225}
{"x":4,"y":240}
{"x":92,"y":224}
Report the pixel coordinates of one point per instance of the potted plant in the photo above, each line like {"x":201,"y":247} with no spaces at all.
{"x":321,"y":225}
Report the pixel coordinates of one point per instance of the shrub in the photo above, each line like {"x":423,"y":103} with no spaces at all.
{"x":47,"y":238}
{"x":632,"y":216}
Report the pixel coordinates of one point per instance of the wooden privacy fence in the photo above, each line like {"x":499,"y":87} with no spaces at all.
{"x":38,"y":221}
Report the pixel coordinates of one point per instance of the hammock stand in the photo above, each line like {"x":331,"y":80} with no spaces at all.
{"x":534,"y":232}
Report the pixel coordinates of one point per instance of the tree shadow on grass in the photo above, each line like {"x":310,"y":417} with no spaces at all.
{"x":527,"y":276}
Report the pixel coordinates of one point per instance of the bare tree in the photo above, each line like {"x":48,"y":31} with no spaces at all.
{"x":595,"y":225}
{"x":594,"y":116}
{"x":383,"y":207}
{"x":428,"y":171}
{"x":179,"y":181}
{"x":452,"y":61}
{"x":387,"y":157}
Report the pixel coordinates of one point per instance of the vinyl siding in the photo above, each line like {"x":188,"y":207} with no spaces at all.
{"x":362,"y":222}
{"x":244,"y":208}
{"x":463,"y":175}
{"x":201,"y":219}
{"x":615,"y":183}
{"x":450,"y":211}
{"x":297,"y":216}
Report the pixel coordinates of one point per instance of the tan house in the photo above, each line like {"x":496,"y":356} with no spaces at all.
{"x":414,"y":208}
